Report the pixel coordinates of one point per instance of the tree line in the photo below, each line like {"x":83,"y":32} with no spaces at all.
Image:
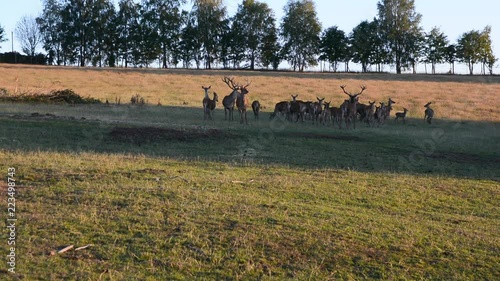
{"x":138,"y":34}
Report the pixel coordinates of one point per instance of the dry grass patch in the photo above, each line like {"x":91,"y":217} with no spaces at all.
{"x":453,"y":97}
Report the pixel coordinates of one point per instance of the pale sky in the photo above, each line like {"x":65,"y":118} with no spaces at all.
{"x":452,"y":17}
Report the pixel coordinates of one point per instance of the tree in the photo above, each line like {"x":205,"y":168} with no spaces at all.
{"x":253,"y":22}
{"x":2,"y":35}
{"x":28,"y":33}
{"x":164,"y":18}
{"x":190,"y":44}
{"x":414,"y":50}
{"x":363,"y":39}
{"x":102,"y":47}
{"x":127,"y":29}
{"x":333,"y":46}
{"x":435,"y":47}
{"x":468,"y":50}
{"x":50,"y":23}
{"x":399,"y":24}
{"x":76,"y":30}
{"x":486,"y":51}
{"x":451,"y":56}
{"x":271,"y":50}
{"x":300,"y":31}
{"x":209,"y":16}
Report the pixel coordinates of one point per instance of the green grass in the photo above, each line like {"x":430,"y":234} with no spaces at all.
{"x":162,"y":195}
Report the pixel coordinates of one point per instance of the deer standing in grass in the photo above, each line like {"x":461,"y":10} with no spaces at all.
{"x":210,"y":107}
{"x":370,"y":113}
{"x":205,"y":100}
{"x":242,"y":103}
{"x":401,"y":115}
{"x":429,"y":112}
{"x":230,"y":100}
{"x":338,"y":113}
{"x":256,"y":109}
{"x":380,"y":113}
{"x":351,"y":106}
{"x":283,"y":108}
{"x":298,"y":107}
{"x":326,"y":115}
{"x":317,"y":109}
{"x":388,"y":108}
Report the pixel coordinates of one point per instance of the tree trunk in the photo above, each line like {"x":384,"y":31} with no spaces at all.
{"x":398,"y":67}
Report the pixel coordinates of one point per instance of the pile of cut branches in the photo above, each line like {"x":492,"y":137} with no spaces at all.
{"x":56,"y":96}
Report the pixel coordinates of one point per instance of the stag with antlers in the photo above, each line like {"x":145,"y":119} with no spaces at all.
{"x":351,"y":106}
{"x":230,"y":100}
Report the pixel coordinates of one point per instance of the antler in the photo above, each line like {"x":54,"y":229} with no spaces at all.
{"x":343,"y":88}
{"x":363,"y":88}
{"x":230,"y":82}
{"x":248,"y":84}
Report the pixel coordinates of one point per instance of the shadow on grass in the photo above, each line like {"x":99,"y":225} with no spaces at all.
{"x":464,"y":149}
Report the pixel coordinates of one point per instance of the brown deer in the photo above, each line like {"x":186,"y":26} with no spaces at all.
{"x":338,"y":113}
{"x":230,"y":100}
{"x":283,"y":108}
{"x":256,"y":109}
{"x":298,"y":108}
{"x":401,"y":115}
{"x":380,"y":113}
{"x":351,"y":106}
{"x":326,"y":115}
{"x":242,"y":103}
{"x":429,"y":112}
{"x":370,"y":113}
{"x":317,"y":109}
{"x":205,"y":99}
{"x":388,"y":108}
{"x":210,"y":107}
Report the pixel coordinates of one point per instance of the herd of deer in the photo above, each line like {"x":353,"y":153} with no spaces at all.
{"x":319,"y":112}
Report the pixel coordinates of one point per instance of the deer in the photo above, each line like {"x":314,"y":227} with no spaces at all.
{"x":401,"y":115}
{"x":380,"y":113}
{"x":369,"y":113}
{"x":361,"y":110}
{"x":338,"y":113}
{"x":351,"y":106}
{"x":256,"y":109}
{"x":317,"y":109}
{"x":210,"y":107}
{"x":205,"y":100}
{"x":326,"y":115}
{"x":242,"y":103}
{"x":230,"y":100}
{"x":298,"y":107}
{"x":429,"y":112}
{"x":388,"y":108}
{"x":283,"y":108}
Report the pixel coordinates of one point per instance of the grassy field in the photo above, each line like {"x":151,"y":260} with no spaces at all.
{"x":161,"y":194}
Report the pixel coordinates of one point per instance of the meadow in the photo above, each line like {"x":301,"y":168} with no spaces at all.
{"x":161,"y":194}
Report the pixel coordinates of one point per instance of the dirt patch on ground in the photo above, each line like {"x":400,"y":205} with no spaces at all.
{"x":46,"y":116}
{"x":144,"y":135}
{"x":465,"y":158}
{"x":326,"y":136}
